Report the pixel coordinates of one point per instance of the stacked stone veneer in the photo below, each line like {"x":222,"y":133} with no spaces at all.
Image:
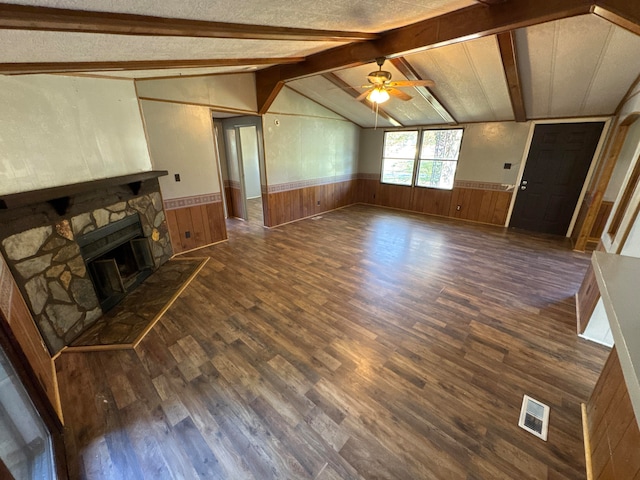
{"x":51,"y":273}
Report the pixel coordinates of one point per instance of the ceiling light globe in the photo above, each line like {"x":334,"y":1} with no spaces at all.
{"x":379,"y":95}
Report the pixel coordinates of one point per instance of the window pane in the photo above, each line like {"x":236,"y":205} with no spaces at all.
{"x":396,"y":170}
{"x":25,"y":446}
{"x":441,"y":144}
{"x":400,"y":144}
{"x":436,"y":174}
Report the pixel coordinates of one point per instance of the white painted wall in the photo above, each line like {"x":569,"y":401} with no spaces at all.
{"x":305,"y":141}
{"x":235,"y":92}
{"x":57,"y":130}
{"x":371,"y":144}
{"x":485,"y":148}
{"x":250,"y":161}
{"x":632,"y":245}
{"x":181,"y":141}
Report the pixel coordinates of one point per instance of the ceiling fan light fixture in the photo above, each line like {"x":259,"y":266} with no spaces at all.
{"x":378,"y":95}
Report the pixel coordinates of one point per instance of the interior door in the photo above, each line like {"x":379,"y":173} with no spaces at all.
{"x":556,"y":168}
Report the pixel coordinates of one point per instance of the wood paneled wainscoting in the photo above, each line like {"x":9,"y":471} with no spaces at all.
{"x":195,"y":222}
{"x":613,"y":434}
{"x":233,"y":196}
{"x":296,"y":200}
{"x":478,"y":202}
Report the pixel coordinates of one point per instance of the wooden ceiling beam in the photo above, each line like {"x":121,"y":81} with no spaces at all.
{"x":509,"y":55}
{"x":68,"y":67}
{"x":623,"y":13}
{"x":488,"y":3}
{"x":338,"y":82}
{"x":464,"y":24}
{"x":24,"y":17}
{"x":403,"y":65}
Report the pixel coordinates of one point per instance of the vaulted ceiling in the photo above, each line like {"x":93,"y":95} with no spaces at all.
{"x":491,"y":60}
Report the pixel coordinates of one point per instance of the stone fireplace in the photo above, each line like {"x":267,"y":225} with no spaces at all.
{"x":72,"y":267}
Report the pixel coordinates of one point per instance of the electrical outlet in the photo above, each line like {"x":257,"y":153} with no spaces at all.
{"x":507,"y":166}
{"x":187,"y":234}
{"x":458,"y":207}
{"x":177,"y":177}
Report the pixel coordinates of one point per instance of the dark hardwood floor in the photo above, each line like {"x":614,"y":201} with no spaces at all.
{"x":368,"y":344}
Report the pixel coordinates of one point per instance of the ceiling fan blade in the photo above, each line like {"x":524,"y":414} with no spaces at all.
{"x":398,"y":94}
{"x":412,"y":83}
{"x":362,"y":96}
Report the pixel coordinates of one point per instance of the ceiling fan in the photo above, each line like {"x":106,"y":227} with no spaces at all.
{"x":380,"y":87}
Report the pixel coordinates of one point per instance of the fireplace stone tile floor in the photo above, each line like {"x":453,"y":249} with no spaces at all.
{"x":127,"y":323}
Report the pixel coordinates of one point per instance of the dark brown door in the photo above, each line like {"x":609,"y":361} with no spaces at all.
{"x":556,"y":169}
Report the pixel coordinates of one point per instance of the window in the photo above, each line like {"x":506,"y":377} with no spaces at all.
{"x":399,"y":157}
{"x":436,"y":158}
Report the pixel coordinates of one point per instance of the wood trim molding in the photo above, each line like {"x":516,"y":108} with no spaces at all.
{"x":608,"y":163}
{"x":410,"y":73}
{"x":476,"y":20}
{"x":68,"y":67}
{"x":509,"y":55}
{"x":338,"y":82}
{"x":22,"y":17}
{"x":622,"y":13}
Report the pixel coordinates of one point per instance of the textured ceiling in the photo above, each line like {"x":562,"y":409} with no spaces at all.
{"x":26,"y":46}
{"x":469,"y":78}
{"x":352,"y":15}
{"x":416,"y":111}
{"x":576,"y":67}
{"x":579,"y":66}
{"x":329,"y":95}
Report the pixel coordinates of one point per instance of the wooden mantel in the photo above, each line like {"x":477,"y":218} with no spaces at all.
{"x":60,"y":197}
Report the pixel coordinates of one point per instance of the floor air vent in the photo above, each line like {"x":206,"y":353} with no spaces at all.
{"x":534,"y":417}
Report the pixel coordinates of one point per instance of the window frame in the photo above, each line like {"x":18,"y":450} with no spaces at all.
{"x":417,"y":156}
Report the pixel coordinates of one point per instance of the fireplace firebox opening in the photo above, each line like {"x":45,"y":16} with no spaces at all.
{"x":118,"y":258}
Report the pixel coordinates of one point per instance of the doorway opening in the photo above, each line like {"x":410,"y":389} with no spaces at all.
{"x":241,"y":159}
